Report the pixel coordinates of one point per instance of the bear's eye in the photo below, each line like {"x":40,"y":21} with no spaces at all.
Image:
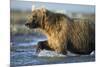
{"x":34,"y":17}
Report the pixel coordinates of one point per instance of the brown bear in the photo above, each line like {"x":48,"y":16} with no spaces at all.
{"x":63,"y":33}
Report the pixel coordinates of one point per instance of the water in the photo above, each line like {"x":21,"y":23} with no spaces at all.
{"x":23,"y":53}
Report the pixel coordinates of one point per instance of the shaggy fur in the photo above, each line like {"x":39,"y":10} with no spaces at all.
{"x":63,"y":33}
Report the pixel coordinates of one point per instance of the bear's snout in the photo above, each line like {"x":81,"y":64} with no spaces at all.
{"x":32,"y":25}
{"x":27,"y":24}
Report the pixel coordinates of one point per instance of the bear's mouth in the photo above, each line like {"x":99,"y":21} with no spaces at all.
{"x":31,"y":25}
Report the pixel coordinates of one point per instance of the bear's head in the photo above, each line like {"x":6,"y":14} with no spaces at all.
{"x":46,"y":20}
{"x":37,"y":19}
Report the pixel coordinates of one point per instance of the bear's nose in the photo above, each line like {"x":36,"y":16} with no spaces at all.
{"x":27,"y":24}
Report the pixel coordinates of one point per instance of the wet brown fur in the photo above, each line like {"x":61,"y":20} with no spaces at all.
{"x":63,"y":33}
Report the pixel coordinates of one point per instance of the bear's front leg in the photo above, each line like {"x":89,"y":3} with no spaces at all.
{"x":42,"y":45}
{"x":62,"y":51}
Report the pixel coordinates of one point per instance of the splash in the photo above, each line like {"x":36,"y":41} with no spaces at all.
{"x":47,"y":53}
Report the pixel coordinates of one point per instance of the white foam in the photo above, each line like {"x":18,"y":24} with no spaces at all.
{"x":71,"y":54}
{"x":92,"y":53}
{"x":47,"y":53}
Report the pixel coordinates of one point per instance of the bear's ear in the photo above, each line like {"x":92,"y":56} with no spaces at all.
{"x":43,"y":9}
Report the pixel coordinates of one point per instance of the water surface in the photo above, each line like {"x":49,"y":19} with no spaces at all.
{"x":23,"y":53}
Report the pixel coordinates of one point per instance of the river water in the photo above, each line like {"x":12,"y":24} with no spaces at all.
{"x":23,"y":53}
